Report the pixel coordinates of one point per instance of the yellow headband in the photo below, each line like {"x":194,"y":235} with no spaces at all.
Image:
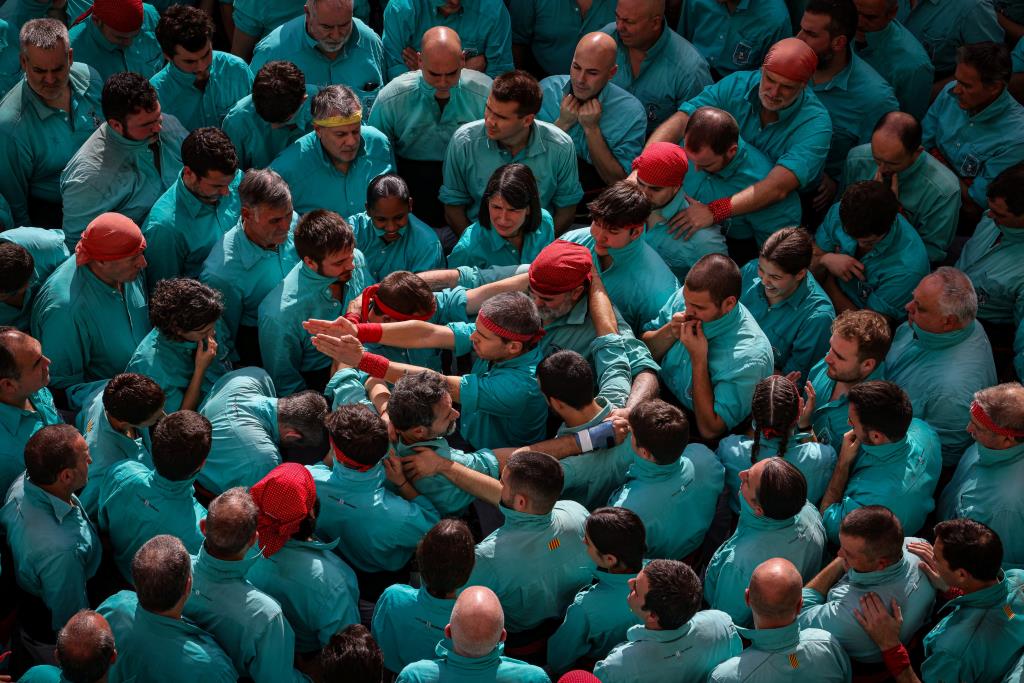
{"x":335,"y":121}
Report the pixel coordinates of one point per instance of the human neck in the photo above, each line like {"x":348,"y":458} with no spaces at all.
{"x":574,"y":417}
{"x":763,"y":623}
{"x":238,"y":557}
{"x":517,"y":142}
{"x":57,"y":491}
{"x":17,"y":400}
{"x":972,"y":585}
{"x":123,"y":427}
{"x":101,"y":278}
{"x":838,"y":63}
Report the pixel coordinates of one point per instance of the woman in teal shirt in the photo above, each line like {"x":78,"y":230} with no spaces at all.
{"x":511,"y":228}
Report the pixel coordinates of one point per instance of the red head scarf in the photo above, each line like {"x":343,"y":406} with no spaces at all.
{"x":791,"y":58}
{"x":662,"y":164}
{"x":285,"y":497}
{"x":109,"y":237}
{"x":124,"y":16}
{"x":560,"y":267}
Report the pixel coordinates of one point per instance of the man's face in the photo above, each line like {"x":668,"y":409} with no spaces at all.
{"x":267,"y":225}
{"x":750,"y":484}
{"x":657,"y":196}
{"x":441,"y":70}
{"x":700,"y":306}
{"x":445,"y":417}
{"x":209,"y":188}
{"x":842,"y":361}
{"x":999,"y":211}
{"x":612,"y":236}
{"x":120,"y":38}
{"x":890,"y":154}
{"x":47,"y":71}
{"x":205,"y":332}
{"x":872,"y":16}
{"x":705,"y":159}
{"x":339,"y":265}
{"x":329,"y":24}
{"x":985,"y":437}
{"x":592,"y":551}
{"x":946,"y":573}
{"x":777,"y":92}
{"x":341,"y":142}
{"x":814,"y":32}
{"x":638,"y":27}
{"x":778,"y":284}
{"x":589,"y":73}
{"x":502,"y":120}
{"x":82,"y":461}
{"x":196,"y":63}
{"x":506,"y":220}
{"x":554,"y":306}
{"x":855,"y":553}
{"x":141,"y":125}
{"x":638,"y":596}
{"x":120,"y":270}
{"x":923,"y":309}
{"x":970,"y":92}
{"x":853,"y":418}
{"x":868,"y":242}
{"x":489,"y":346}
{"x":33,"y":366}
{"x":390,"y":214}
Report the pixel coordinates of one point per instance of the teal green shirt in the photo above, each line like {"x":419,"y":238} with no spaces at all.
{"x":944,"y":26}
{"x":448,"y":499}
{"x":243,"y":412}
{"x":287,"y":349}
{"x":257,"y":142}
{"x":1018,"y":58}
{"x":416,"y":249}
{"x":10,"y":66}
{"x":929,"y":195}
{"x":109,"y":172}
{"x":898,"y":57}
{"x":985,"y":488}
{"x":798,"y":327}
{"x":596,"y":621}
{"x":977,"y":147}
{"x":37,"y":140}
{"x":901,"y":475}
{"x":408,"y":623}
{"x":249,"y":624}
{"x":799,"y":539}
{"x":472,"y":158}
{"x":788,"y":653}
{"x":181,"y":230}
{"x":43,"y":673}
{"x":359,"y":64}
{"x":136,"y":504}
{"x":143,"y":56}
{"x":893,"y":267}
{"x":483,"y":26}
{"x":229,"y":81}
{"x":687,"y":653}
{"x":17,"y":426}
{"x":408,"y":112}
{"x":453,"y":667}
{"x":735,"y":40}
{"x":88,"y":329}
{"x":48,"y":251}
{"x":316,"y":183}
{"x":54,"y":546}
{"x":591,"y":478}
{"x":376,"y":530}
{"x":481,"y":247}
{"x":940,"y":373}
{"x":676,"y":501}
{"x":1016,"y":674}
{"x":622,"y":121}
{"x":1018,"y":349}
{"x":831,"y":417}
{"x":680,"y":254}
{"x":816,"y":461}
{"x":739,"y":356}
{"x":260,"y":17}
{"x":451,"y":307}
{"x":636,"y":262}
{"x":171,"y":364}
{"x":152,"y":647}
{"x":799,"y":141}
{"x":902,"y":581}
{"x":534,"y":563}
{"x":994,"y":260}
{"x":553,"y":28}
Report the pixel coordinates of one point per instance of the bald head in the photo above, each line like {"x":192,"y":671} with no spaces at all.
{"x":774,"y":593}
{"x":477,"y":622}
{"x":441,"y":60}
{"x":593,"y":65}
{"x":85,"y":647}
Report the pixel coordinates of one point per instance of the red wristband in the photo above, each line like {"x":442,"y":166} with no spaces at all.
{"x":896,"y":659}
{"x":369,"y":332}
{"x":352,"y":318}
{"x":374,"y":365}
{"x":721,"y":209}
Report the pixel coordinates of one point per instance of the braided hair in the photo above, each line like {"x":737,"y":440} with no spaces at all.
{"x":775,"y":409}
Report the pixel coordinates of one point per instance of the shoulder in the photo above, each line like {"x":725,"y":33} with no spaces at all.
{"x":556,"y":135}
{"x":468,"y":133}
{"x":399,"y":87}
{"x":230,"y":62}
{"x":367,"y":33}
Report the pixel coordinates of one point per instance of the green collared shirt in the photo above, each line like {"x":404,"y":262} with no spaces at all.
{"x":417,"y":248}
{"x":171,"y":364}
{"x":590,"y":478}
{"x":994,"y":260}
{"x":257,"y":141}
{"x":17,"y":426}
{"x":786,"y":653}
{"x":446,"y":497}
{"x":680,"y":254}
{"x":143,"y":56}
{"x":481,"y":247}
{"x":553,"y":28}
{"x":408,"y":623}
{"x":942,"y":26}
{"x":898,"y":57}
{"x":229,"y":81}
{"x":454,"y":668}
{"x":48,"y":251}
{"x":734,"y":40}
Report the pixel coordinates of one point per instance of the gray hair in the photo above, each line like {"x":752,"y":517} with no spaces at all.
{"x":264,"y":186}
{"x":958,"y":297}
{"x":45,"y":34}
{"x":335,"y":100}
{"x":85,"y":647}
{"x":413,"y":399}
{"x":313,"y":4}
{"x":230,"y":522}
{"x":1004,"y":403}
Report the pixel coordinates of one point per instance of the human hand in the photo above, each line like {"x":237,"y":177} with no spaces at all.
{"x":686,"y":223}
{"x":393,"y":469}
{"x":848,"y":451}
{"x":206,"y":353}
{"x":843,"y":267}
{"x":425,"y":463}
{"x":478,"y":63}
{"x":590,"y":114}
{"x":346,"y":350}
{"x":691,"y":334}
{"x":928,"y":564}
{"x":568,"y":112}
{"x":825,"y":193}
{"x":876,"y":621}
{"x":807,"y":411}
{"x":339,"y":327}
{"x":411,"y":58}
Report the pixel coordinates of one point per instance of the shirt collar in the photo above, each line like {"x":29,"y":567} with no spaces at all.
{"x":249,"y":253}
{"x":534,"y":144}
{"x":439,"y":444}
{"x":725,"y":324}
{"x":944,"y":340}
{"x":446,"y":650}
{"x":225,"y":570}
{"x":648,"y":470}
{"x":988,"y":457}
{"x":182,"y":79}
{"x":174,"y":488}
{"x":842,"y":79}
{"x":371,"y":478}
{"x":606,"y":408}
{"x":315,"y":544}
{"x":794,"y":300}
{"x":751,"y":520}
{"x":995,"y":111}
{"x":782,"y":639}
{"x":886,"y":451}
{"x":98,"y":38}
{"x":879,"y":38}
{"x":990,"y":597}
{"x":59,"y":508}
{"x":877,"y":578}
{"x":191,"y":203}
{"x":641,"y":633}
{"x":11,"y":416}
{"x":524,"y":520}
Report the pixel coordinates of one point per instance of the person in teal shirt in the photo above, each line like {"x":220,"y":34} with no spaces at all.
{"x":113,"y":43}
{"x":975,"y":128}
{"x":137,"y":503}
{"x":867,"y":254}
{"x":29,"y":255}
{"x":599,"y":617}
{"x":983,"y":486}
{"x":181,"y":353}
{"x":775,"y":520}
{"x":943,"y":28}
{"x":38,"y":136}
{"x":194,"y":213}
{"x":928,"y":192}
{"x":734,"y":38}
{"x":254,"y":19}
{"x":941,"y":356}
{"x":10,"y":63}
{"x":409,"y":622}
{"x":252,"y":258}
{"x":263,"y":124}
{"x":354,"y":57}
{"x":674,"y":641}
{"x":789,"y":305}
{"x":483,"y":27}
{"x":389,"y":236}
{"x":896,"y":54}
{"x":199,"y":84}
{"x":127,"y":163}
{"x":154,"y":641}
{"x":91,"y":313}
{"x":550,"y":30}
{"x":672,"y":486}
{"x":887,"y":458}
{"x":331,"y":167}
{"x":86,"y":643}
{"x":53,"y":542}
{"x":249,"y":624}
{"x":780,"y":649}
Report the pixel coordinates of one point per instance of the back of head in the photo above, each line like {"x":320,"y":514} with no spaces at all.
{"x":515,"y":313}
{"x":661,"y":429}
{"x":623,"y":205}
{"x":179,"y":305}
{"x":1007,"y":186}
{"x":842,"y":15}
{"x":775,"y":591}
{"x":16,"y":267}
{"x":181,"y":443}
{"x":790,"y":249}
{"x":127,"y":93}
{"x":712,"y":128}
{"x":445,"y":557}
{"x":183,"y":25}
{"x":278,"y":91}
{"x":477,"y":622}
{"x":321,"y":233}
{"x":352,"y":656}
{"x":45,"y":34}
{"x":902,"y":126}
{"x":85,"y":648}
{"x":619,"y":532}
{"x":1003,"y":404}
{"x":358,"y":434}
{"x":132,"y":398}
{"x":413,"y":399}
{"x":160,"y":571}
{"x":880,"y":530}
{"x":775,"y":406}
{"x":673,"y":592}
{"x":991,"y":61}
{"x":517,"y":186}
{"x":882,"y":407}
{"x":406,"y":293}
{"x":536,"y":476}
{"x":304,"y":412}
{"x":716,"y":274}
{"x":868,"y":329}
{"x":567,"y":376}
{"x":783,"y":489}
{"x":335,"y":100}
{"x":230,"y":523}
{"x":209,"y":149}
{"x":520,"y":87}
{"x":868,"y":209}
{"x":264,"y":187}
{"x":970,"y":546}
{"x":49,"y":452}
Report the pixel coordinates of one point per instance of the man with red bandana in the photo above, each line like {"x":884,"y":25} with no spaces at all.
{"x":118,"y":35}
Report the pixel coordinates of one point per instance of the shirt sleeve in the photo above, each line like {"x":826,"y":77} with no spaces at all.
{"x":499,"y":43}
{"x":282,"y":356}
{"x":631,"y":143}
{"x":613,"y":377}
{"x":810,"y":343}
{"x":807,"y":158}
{"x":981,"y":25}
{"x":834,"y":515}
{"x":274,"y":652}
{"x":725,"y":591}
{"x":14,"y":181}
{"x":523,"y":13}
{"x":568,"y":191}
{"x":397,"y":31}
{"x":569,"y":642}
{"x":710,"y":96}
{"x":59,"y":335}
{"x":455,"y":189}
{"x":824,"y":237}
{"x":62,"y":578}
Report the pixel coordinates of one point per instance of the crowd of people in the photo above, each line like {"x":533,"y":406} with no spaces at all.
{"x":632,"y":341}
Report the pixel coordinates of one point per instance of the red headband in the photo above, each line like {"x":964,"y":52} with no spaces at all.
{"x":370,"y":297}
{"x":508,"y":335}
{"x":979,"y":414}
{"x":345,"y":460}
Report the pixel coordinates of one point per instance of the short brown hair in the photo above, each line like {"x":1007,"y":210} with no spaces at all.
{"x":446,"y":556}
{"x":869,"y":329}
{"x":790,"y":249}
{"x":716,"y":274}
{"x":359,"y":433}
{"x":406,"y":293}
{"x":520,"y":87}
{"x":661,"y":428}
{"x":879,"y":528}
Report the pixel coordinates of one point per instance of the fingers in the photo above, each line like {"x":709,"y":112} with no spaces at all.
{"x":793,"y":376}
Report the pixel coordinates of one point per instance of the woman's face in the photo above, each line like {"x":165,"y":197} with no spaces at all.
{"x":778,"y":284}
{"x":506,"y":220}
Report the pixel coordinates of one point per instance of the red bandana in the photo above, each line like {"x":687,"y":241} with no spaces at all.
{"x":370,"y":297}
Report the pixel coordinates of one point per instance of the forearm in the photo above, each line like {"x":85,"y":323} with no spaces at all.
{"x":608,"y":167}
{"x":478,"y":295}
{"x":417,"y":334}
{"x":645,"y":388}
{"x":670,"y":131}
{"x":440,"y":279}
{"x":558,"y":448}
{"x":242,"y":45}
{"x":190,"y":401}
{"x":827,"y":577}
{"x":563,"y":218}
{"x":659,"y":341}
{"x":836,"y":486}
{"x":456,"y":217}
{"x":474,"y":483}
{"x":602,"y":313}
{"x":378,"y":393}
{"x":840,"y":301}
{"x":775,"y":187}
{"x":709,"y":424}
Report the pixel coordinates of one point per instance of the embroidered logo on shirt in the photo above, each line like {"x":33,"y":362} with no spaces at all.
{"x":88,"y":426}
{"x":741,"y":55}
{"x":1010,"y":614}
{"x":970,"y":166}
{"x":554,"y":544}
{"x":793,"y":661}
